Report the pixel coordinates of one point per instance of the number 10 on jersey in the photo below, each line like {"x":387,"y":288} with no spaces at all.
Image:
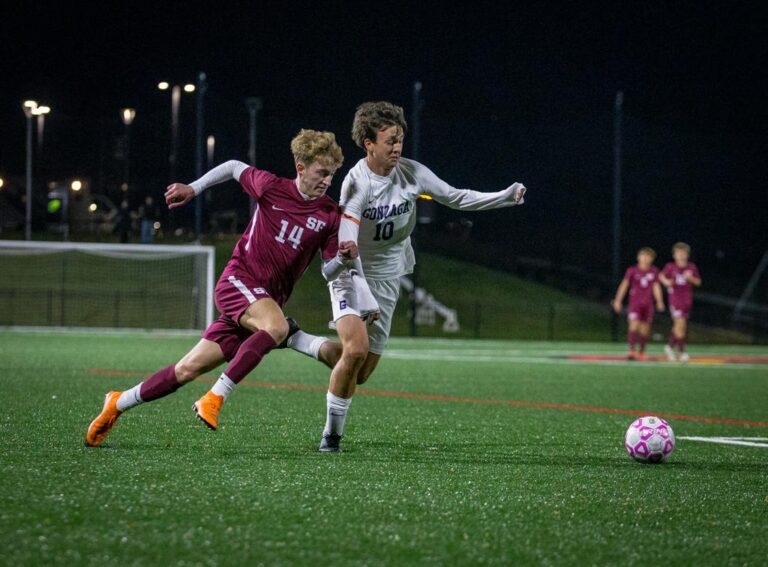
{"x":384,"y":230}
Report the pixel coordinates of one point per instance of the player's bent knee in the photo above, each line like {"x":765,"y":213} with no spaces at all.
{"x":355,"y":353}
{"x":277,"y":331}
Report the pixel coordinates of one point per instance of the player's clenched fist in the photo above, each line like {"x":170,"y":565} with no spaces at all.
{"x":178,"y":194}
{"x":516,"y":192}
{"x":348,"y":249}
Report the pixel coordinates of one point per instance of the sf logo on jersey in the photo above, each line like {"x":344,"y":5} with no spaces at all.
{"x":646,"y":279}
{"x":315,"y":224}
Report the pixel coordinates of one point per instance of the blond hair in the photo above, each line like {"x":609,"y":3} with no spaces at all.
{"x":310,"y":146}
{"x":647,"y":250}
{"x":371,"y":117}
{"x":681,"y":246}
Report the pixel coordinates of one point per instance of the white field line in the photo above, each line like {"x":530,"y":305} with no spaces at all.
{"x":741,"y":441}
{"x":463,"y":356}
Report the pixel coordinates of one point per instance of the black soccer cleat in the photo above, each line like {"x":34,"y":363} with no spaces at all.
{"x":293,"y":328}
{"x":330,"y":443}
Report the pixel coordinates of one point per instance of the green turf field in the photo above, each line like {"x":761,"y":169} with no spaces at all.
{"x":460,"y":452}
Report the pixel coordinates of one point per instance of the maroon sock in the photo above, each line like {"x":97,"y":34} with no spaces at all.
{"x":681,"y":343}
{"x":632,"y":340}
{"x":672,"y":341}
{"x":161,"y":383}
{"x":642,"y":339}
{"x":248,"y":356}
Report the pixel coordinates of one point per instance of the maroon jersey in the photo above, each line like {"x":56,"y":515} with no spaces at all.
{"x":641,"y":284}
{"x":285,"y":232}
{"x":681,"y":292}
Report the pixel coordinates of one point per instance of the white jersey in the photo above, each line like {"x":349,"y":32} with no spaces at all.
{"x":385,"y":208}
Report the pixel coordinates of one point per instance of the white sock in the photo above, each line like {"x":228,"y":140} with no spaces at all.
{"x":223,"y":386}
{"x":306,"y":344}
{"x":337,"y":414}
{"x":130,"y":398}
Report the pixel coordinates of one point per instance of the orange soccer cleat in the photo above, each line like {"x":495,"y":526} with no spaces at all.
{"x":207,"y":409}
{"x":102,"y":425}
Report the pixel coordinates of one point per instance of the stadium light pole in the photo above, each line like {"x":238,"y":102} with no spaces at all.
{"x":175,"y":105}
{"x":202,"y":88}
{"x":618,"y":111}
{"x":254,"y":106}
{"x":127,"y":115}
{"x":31,"y":110}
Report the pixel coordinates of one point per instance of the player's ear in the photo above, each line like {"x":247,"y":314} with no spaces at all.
{"x":300,"y":168}
{"x":368,"y":143}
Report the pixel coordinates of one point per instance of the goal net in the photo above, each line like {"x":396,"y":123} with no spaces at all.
{"x":118,"y":286}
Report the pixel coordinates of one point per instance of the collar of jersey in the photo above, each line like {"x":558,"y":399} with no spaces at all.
{"x":302,"y":195}
{"x":376,"y":176}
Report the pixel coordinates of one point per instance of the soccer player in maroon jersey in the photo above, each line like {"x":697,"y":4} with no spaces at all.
{"x":642,"y":281}
{"x":292,"y":220}
{"x":679,"y":277}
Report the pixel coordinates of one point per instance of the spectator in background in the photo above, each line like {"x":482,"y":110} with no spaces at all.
{"x":148,"y":215}
{"x":124,"y":222}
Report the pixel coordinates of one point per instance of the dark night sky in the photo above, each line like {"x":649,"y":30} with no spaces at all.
{"x":518,"y":92}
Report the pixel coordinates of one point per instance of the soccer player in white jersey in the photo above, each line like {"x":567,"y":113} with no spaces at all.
{"x":378,"y":199}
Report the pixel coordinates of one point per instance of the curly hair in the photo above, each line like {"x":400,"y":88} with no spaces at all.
{"x":312,"y":145}
{"x":371,"y":117}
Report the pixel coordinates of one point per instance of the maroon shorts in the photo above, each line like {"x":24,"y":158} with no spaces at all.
{"x":680,"y":310}
{"x":234,"y":293}
{"x":642,"y":312}
{"x":229,"y":336}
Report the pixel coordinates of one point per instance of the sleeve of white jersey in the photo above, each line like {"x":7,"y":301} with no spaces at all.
{"x":352,"y":199}
{"x":467,"y":199}
{"x":231,"y":169}
{"x":349,"y":229}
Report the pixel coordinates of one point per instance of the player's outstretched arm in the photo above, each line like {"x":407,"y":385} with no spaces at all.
{"x":179,"y":194}
{"x":347,"y":255}
{"x":467,"y":199}
{"x":620,"y":293}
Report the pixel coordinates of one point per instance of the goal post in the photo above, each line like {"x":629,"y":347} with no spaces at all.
{"x":107,"y":286}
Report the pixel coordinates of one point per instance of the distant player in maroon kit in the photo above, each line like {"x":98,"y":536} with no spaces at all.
{"x":292,"y":220}
{"x":642,"y":281}
{"x":679,"y":277}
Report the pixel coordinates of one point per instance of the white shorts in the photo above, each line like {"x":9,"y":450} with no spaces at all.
{"x":346,"y":299}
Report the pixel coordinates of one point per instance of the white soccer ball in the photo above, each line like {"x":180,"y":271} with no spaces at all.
{"x":650,"y":440}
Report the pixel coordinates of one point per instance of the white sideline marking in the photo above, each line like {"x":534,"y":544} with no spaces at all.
{"x":742,"y":441}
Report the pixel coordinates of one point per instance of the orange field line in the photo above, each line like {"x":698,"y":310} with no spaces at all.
{"x":464,"y":400}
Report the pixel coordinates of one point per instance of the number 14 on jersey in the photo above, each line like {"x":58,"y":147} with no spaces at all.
{"x":294,"y":236}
